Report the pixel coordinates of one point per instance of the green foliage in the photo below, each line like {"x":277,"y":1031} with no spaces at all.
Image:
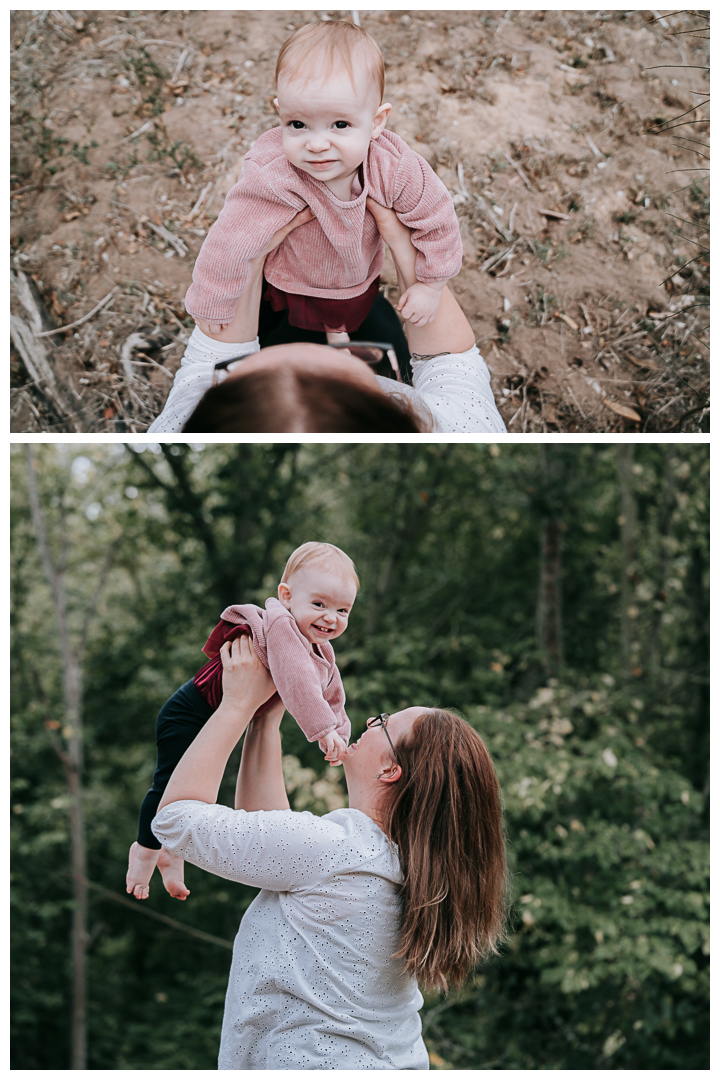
{"x":607,"y":959}
{"x":608,"y":850}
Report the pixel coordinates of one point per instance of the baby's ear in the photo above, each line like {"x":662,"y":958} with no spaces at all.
{"x":275,"y":103}
{"x":380,"y":119}
{"x":284,"y":594}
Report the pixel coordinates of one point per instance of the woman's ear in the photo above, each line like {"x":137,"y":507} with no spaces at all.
{"x":380,"y":119}
{"x":284,"y":594}
{"x":390,"y":774}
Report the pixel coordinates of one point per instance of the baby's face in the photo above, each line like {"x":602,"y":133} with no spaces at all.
{"x":327,"y":124}
{"x":319,"y":601}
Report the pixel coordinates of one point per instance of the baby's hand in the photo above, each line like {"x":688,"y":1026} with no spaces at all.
{"x":419,"y":303}
{"x":333,"y":747}
{"x":211,"y":329}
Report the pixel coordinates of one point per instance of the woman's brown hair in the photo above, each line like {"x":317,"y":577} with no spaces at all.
{"x":296,"y":400}
{"x":445,"y":815}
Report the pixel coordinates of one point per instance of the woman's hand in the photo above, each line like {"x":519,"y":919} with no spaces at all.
{"x":448,"y":331}
{"x":275,"y":241}
{"x":244,"y":325}
{"x":246,"y":681}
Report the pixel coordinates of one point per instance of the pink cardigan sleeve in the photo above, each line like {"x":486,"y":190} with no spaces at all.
{"x":422,"y":202}
{"x":252,"y":213}
{"x":297,"y":680}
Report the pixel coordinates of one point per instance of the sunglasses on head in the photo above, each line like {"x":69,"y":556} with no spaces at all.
{"x":372,"y":353}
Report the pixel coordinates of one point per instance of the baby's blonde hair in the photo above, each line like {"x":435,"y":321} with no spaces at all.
{"x":325,"y":555}
{"x":325,"y":44}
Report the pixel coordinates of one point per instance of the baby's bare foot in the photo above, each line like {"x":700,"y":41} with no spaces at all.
{"x":172,"y":869}
{"x":141,"y":863}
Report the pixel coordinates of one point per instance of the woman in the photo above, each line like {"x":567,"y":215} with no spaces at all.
{"x":406,"y":884}
{"x":289,"y":387}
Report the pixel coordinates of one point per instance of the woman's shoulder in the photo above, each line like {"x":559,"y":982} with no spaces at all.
{"x":366,"y":834}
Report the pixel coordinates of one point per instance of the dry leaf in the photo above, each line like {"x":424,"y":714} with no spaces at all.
{"x":649,"y":364}
{"x":109,"y":412}
{"x":622,"y":410}
{"x":71,"y":215}
{"x":567,"y":320}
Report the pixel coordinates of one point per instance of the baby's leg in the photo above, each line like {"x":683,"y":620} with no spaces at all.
{"x":180,"y":719}
{"x":141,"y":864}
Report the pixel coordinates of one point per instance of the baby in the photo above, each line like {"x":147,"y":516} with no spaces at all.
{"x":292,"y":637}
{"x":330,"y":153}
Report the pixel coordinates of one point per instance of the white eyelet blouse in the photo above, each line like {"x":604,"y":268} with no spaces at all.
{"x":312,"y":984}
{"x":453,"y":390}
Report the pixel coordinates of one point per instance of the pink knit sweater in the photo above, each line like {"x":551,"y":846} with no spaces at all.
{"x":308,"y":683}
{"x":340,"y":252}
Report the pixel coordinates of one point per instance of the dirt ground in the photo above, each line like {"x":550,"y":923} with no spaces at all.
{"x":580,"y":221}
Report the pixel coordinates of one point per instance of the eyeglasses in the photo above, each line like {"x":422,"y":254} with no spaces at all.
{"x":372,"y":353}
{"x":381,"y":721}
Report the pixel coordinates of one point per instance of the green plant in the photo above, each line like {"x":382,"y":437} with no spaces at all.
{"x":80,"y":152}
{"x":626,"y":217}
{"x":179,"y":152}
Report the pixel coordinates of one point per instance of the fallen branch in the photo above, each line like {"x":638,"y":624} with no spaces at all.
{"x":493,"y":218}
{"x":140,"y":131}
{"x":33,"y":355}
{"x":38,"y":368}
{"x":495,"y":260}
{"x":71,"y":326}
{"x":167,"y":236}
{"x":519,"y":171}
{"x":135,"y":341}
{"x":555,"y":214}
{"x":200,"y":201}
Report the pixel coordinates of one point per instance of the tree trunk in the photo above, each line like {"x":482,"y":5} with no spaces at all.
{"x":549,"y":607}
{"x":652,"y":660}
{"x":628,"y":540}
{"x":72,"y":760}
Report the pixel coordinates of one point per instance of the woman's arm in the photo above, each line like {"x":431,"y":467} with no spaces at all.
{"x":449,"y":332}
{"x":260,"y":783}
{"x":238,"y":338}
{"x":246,"y":685}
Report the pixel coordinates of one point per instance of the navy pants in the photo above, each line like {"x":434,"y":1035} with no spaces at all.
{"x":180,"y":719}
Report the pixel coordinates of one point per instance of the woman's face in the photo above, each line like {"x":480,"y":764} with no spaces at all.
{"x":372,"y":753}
